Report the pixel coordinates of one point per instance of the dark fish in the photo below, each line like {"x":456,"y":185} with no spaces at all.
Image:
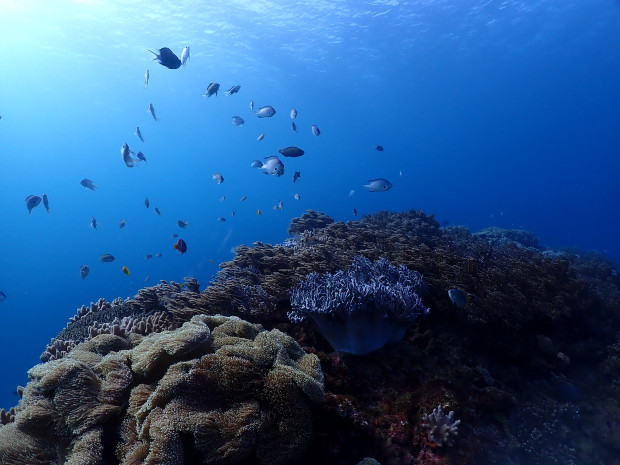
{"x":296,"y":175}
{"x":315,"y":130}
{"x":122,"y":224}
{"x":182,"y":224}
{"x":87,"y":183}
{"x":458,"y":297}
{"x":139,"y":134}
{"x":147,"y":204}
{"x":379,"y":148}
{"x":291,"y":152}
{"x":221,"y":218}
{"x":167,"y":58}
{"x":32,"y":201}
{"x":174,"y":235}
{"x":354,"y":211}
{"x":2,"y":296}
{"x":93,"y":223}
{"x":218,"y":178}
{"x":141,"y":157}
{"x":237,"y":120}
{"x":46,"y":203}
{"x":233,"y":90}
{"x":106,"y":258}
{"x":294,"y":126}
{"x":148,"y":257}
{"x":158,"y":254}
{"x":125,"y":270}
{"x":563,"y":391}
{"x":243,"y":198}
{"x":266,"y":112}
{"x":181,"y":246}
{"x":157,"y":211}
{"x":212,"y":88}
{"x":84,"y":270}
{"x":152,"y":112}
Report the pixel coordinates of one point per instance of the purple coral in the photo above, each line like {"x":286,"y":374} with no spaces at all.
{"x":361,"y":309}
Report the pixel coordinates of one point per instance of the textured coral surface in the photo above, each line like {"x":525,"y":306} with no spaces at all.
{"x":530,"y":366}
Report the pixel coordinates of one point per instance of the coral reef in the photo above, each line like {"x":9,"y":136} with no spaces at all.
{"x":362,"y":309}
{"x":218,"y":390}
{"x":442,"y":428}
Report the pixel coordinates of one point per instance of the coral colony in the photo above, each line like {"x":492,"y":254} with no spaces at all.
{"x":362,"y":309}
{"x":442,"y":428}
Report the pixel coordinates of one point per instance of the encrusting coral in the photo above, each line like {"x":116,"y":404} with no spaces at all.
{"x":218,"y":390}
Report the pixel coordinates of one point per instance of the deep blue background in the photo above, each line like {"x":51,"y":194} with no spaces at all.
{"x":498,"y":113}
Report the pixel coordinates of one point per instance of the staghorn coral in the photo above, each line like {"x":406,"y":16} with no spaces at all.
{"x":218,"y":390}
{"x":442,"y":428}
{"x":362,"y":309}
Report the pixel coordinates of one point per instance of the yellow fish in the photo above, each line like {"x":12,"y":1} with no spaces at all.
{"x":258,"y":212}
{"x":126,"y":270}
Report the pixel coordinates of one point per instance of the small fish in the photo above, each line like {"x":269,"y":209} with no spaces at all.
{"x":351,"y":192}
{"x":297,"y":196}
{"x":293,"y":113}
{"x":315,"y":130}
{"x":148,"y":257}
{"x":125,"y":270}
{"x":379,"y":148}
{"x":122,"y":224}
{"x":458,"y":297}
{"x":46,"y":203}
{"x":237,"y":120}
{"x":256,"y":164}
{"x":291,"y":152}
{"x":167,"y":58}
{"x":233,"y":90}
{"x":212,"y":88}
{"x":274,"y":166}
{"x":93,"y":222}
{"x":400,"y":173}
{"x":2,"y":296}
{"x":260,"y":137}
{"x":139,"y":134}
{"x":147,"y":279}
{"x":130,"y":162}
{"x":354,"y":211}
{"x":218,"y":178}
{"x":251,"y":105}
{"x":157,"y":211}
{"x":293,"y":126}
{"x":141,"y":157}
{"x":232,"y":213}
{"x":296,"y":175}
{"x":378,"y":185}
{"x":106,"y":258}
{"x":84,"y":270}
{"x":87,"y":183}
{"x":280,"y":205}
{"x":266,"y":112}
{"x":181,"y":246}
{"x":152,"y":111}
{"x":184,"y":56}
{"x":258,"y":212}
{"x":182,"y":224}
{"x":222,"y":198}
{"x":146,"y":78}
{"x":32,"y":201}
{"x":244,"y":198}
{"x":158,"y":254}
{"x":147,"y":203}
{"x":174,"y":236}
{"x":221,"y":218}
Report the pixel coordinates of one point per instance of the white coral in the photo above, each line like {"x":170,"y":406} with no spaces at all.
{"x":443,"y":428}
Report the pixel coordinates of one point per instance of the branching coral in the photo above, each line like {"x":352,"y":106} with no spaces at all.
{"x":442,"y":428}
{"x":362,"y":309}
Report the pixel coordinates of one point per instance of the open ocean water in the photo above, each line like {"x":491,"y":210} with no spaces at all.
{"x":490,"y":113}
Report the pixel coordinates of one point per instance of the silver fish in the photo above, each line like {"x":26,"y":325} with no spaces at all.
{"x":378,"y":185}
{"x":139,"y":134}
{"x":46,"y":203}
{"x":297,"y":196}
{"x":32,"y":201}
{"x":218,"y":178}
{"x":182,"y":224}
{"x":294,"y":126}
{"x":184,"y":56}
{"x":146,"y":78}
{"x":93,"y":223}
{"x":243,"y":198}
{"x":293,"y":113}
{"x":233,"y":90}
{"x":212,"y":88}
{"x":273,"y":166}
{"x":127,"y":158}
{"x":296,"y":175}
{"x":84,"y":270}
{"x":256,"y":164}
{"x":260,"y":137}
{"x":280,"y":205}
{"x":252,"y":105}
{"x":87,"y":183}
{"x":315,"y":130}
{"x":152,"y":110}
{"x":266,"y":112}
{"x":237,"y":120}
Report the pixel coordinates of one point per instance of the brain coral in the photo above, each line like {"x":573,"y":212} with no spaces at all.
{"x":218,"y":390}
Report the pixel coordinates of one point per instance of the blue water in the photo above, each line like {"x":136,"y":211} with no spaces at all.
{"x":492,"y":113}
